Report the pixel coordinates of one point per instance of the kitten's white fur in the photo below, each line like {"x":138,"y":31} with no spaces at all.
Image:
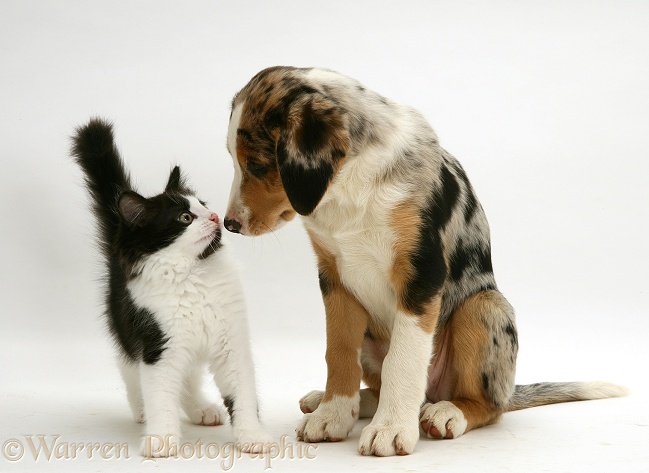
{"x":199,"y":305}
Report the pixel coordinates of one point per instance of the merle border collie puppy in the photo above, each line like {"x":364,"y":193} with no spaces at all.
{"x":174,"y":301}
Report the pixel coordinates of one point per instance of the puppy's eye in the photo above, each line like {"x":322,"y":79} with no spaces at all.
{"x":185,"y":218}
{"x":256,"y":169}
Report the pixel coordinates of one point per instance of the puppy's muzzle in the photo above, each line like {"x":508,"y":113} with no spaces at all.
{"x":232,"y":225}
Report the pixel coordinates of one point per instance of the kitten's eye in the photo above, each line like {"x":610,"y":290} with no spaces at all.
{"x":257,"y":169}
{"x":185,"y":218}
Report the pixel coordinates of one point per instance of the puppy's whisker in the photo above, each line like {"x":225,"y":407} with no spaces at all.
{"x":270,"y":230}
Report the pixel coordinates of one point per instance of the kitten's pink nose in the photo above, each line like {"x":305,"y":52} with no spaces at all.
{"x":214,"y":218}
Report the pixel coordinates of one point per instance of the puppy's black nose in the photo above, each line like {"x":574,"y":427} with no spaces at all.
{"x":232,"y":225}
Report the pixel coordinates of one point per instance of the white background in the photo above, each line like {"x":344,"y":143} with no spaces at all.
{"x":546,"y":104}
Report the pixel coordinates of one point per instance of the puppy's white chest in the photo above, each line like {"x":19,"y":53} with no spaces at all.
{"x":363,"y":255}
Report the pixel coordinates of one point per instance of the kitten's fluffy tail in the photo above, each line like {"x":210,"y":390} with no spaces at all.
{"x":93,"y":148}
{"x":540,"y":394}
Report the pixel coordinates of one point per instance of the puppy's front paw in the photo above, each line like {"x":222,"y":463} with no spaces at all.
{"x":254,"y":441}
{"x":388,"y":439}
{"x":311,"y":401}
{"x":331,"y":421}
{"x":442,"y":420}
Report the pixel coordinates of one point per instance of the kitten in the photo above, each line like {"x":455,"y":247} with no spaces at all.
{"x":173,"y":299}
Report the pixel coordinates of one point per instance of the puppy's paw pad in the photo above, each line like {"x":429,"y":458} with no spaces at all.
{"x":387,"y":440}
{"x":311,"y":401}
{"x":442,"y":420}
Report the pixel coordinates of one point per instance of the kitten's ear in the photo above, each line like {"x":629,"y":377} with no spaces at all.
{"x":176,"y":183}
{"x":132,"y":207}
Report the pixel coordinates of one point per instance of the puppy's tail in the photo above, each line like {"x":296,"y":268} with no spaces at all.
{"x":540,"y":394}
{"x":93,"y":148}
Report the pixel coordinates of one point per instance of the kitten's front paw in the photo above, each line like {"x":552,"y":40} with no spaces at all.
{"x":331,"y":421}
{"x":210,"y":415}
{"x":254,"y":441}
{"x":159,"y":446}
{"x":138,"y":417}
{"x":387,"y":439}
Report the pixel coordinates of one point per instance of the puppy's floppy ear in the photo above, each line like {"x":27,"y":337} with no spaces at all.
{"x":310,"y":148}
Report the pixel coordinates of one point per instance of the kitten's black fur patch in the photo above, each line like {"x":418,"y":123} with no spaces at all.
{"x":131,"y":228}
{"x":229,"y":405}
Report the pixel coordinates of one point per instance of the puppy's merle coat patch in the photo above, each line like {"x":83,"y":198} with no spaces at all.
{"x":404,"y":260}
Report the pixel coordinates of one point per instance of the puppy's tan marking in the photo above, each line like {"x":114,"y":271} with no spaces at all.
{"x":405,"y":223}
{"x":266,"y":196}
{"x":346,"y":325}
{"x":428,"y":320}
{"x":469,"y":341}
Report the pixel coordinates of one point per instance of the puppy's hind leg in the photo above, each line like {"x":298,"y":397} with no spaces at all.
{"x":484,"y":346}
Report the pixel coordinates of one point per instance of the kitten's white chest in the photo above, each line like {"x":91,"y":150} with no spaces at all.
{"x":190,"y":301}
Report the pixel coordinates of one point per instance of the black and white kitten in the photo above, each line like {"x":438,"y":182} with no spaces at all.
{"x":173,"y":298}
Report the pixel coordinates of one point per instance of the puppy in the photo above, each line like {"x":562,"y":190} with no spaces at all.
{"x":404,"y":259}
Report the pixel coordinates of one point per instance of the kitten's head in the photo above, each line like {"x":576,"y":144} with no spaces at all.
{"x":174,"y":219}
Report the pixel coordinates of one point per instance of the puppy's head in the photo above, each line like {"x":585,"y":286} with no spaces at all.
{"x":287,"y":139}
